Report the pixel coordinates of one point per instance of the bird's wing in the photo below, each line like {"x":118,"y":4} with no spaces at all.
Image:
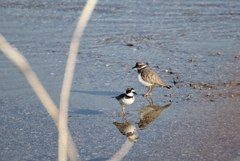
{"x":152,"y":77}
{"x":120,"y":96}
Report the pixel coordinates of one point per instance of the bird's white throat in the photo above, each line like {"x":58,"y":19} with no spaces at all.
{"x":130,"y":94}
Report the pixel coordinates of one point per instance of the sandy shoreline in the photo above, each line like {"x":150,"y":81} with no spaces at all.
{"x":197,"y":53}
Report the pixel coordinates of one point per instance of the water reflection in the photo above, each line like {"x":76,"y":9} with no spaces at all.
{"x":127,"y":129}
{"x":150,"y":101}
{"x":149,"y":113}
{"x":121,"y":153}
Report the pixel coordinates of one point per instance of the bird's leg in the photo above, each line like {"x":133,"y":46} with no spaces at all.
{"x":123,"y":113}
{"x":151,"y":87}
{"x":146,"y":94}
{"x":151,"y":101}
{"x":123,"y":118}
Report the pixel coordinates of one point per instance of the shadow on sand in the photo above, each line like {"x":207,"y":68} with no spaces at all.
{"x":86,"y":112}
{"x":99,"y":93}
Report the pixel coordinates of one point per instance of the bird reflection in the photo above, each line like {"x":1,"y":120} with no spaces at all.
{"x":150,"y":101}
{"x":127,"y":129}
{"x":149,"y":113}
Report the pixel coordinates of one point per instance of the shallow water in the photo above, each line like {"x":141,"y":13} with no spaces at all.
{"x":186,"y":42}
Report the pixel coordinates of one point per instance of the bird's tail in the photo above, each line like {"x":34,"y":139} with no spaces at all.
{"x":168,"y":86}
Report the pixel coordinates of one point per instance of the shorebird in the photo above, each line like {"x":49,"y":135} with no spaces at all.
{"x":149,"y":113}
{"x":149,"y":78}
{"x":127,"y":129}
{"x":126,"y":98}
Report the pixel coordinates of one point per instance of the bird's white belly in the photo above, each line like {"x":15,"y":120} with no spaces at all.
{"x":142,"y":81}
{"x":127,"y":101}
{"x":130,"y":129}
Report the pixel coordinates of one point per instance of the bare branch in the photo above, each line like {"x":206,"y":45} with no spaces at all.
{"x":19,"y":60}
{"x":67,"y":82}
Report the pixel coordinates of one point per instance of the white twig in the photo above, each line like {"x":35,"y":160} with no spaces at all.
{"x":67,"y":82}
{"x":119,"y":155}
{"x":20,"y":61}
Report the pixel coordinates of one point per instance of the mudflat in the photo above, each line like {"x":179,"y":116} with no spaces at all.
{"x":193,"y":46}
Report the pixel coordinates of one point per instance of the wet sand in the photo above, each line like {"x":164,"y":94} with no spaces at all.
{"x":193,"y":46}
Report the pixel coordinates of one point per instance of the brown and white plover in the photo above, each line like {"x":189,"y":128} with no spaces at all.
{"x":149,"y":78}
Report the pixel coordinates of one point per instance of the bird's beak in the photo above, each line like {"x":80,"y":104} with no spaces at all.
{"x":134,"y":92}
{"x":134,"y":67}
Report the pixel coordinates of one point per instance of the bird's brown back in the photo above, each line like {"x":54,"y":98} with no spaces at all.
{"x":150,"y":76}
